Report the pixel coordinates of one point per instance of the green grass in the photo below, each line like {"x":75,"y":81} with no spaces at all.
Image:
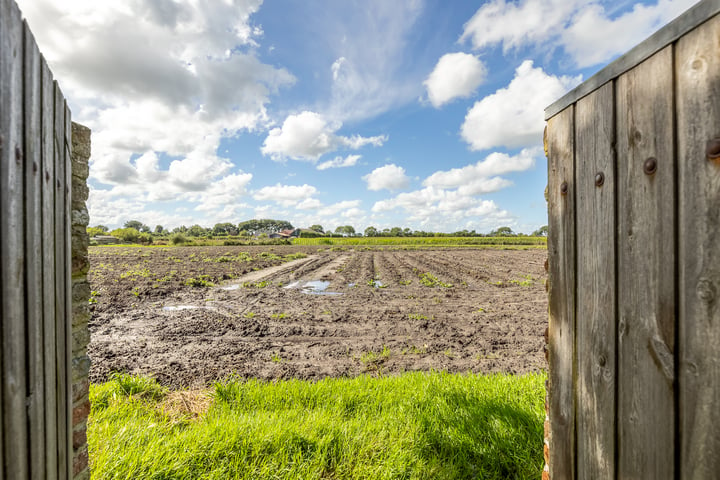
{"x":414,"y":426}
{"x":424,"y":241}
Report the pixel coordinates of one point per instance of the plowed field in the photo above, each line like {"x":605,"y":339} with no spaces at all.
{"x":192,"y":315}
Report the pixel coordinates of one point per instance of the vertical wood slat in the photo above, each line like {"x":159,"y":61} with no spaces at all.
{"x":67,"y":199}
{"x":14,"y":421}
{"x":595,"y":324}
{"x":561,"y":277}
{"x":60,"y":282}
{"x":698,"y":113}
{"x":48,"y":269}
{"x":33,"y":260}
{"x":646,"y":275}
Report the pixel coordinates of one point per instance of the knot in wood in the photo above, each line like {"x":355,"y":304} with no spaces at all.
{"x":706,"y":290}
{"x":564,"y":188}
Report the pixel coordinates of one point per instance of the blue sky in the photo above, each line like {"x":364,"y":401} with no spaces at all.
{"x":425,"y":114}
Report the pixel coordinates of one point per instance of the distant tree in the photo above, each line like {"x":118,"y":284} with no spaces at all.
{"x":371,"y":232}
{"x":180,"y":229}
{"x":345,"y":230}
{"x":94,"y":231}
{"x":196,"y":231}
{"x":502,"y":232}
{"x":541,"y":232}
{"x":226,"y":228}
{"x":407,"y":232}
{"x":159,"y":229}
{"x":136,"y":224}
{"x":317,"y":228}
{"x":103,"y":228}
{"x":126,"y":234}
{"x":266,"y":225}
{"x":396,"y":232}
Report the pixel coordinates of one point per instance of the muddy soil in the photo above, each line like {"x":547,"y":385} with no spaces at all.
{"x":190,"y":316}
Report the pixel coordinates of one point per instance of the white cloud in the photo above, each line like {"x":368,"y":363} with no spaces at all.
{"x":513,"y":116}
{"x":390,"y":177}
{"x":593,"y":37}
{"x":590,"y":31}
{"x":482,"y":177}
{"x":154,"y":78}
{"x":286,"y":195}
{"x":308,"y":136}
{"x":456,"y":75}
{"x":440,"y":207}
{"x":340,"y":162}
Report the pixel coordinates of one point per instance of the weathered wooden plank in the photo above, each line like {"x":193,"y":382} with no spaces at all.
{"x":67,"y":225}
{"x":12,"y":246}
{"x":646,"y":274}
{"x":595,"y":319}
{"x":698,"y":132}
{"x":670,"y":33}
{"x":60,"y":285}
{"x":33,"y":258}
{"x":561,"y":278}
{"x":48,"y":268}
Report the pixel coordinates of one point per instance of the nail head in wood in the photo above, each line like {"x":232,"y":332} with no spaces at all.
{"x":599,"y":179}
{"x":650,"y":166}
{"x":712,"y":149}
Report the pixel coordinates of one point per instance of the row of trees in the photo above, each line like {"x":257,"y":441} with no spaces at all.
{"x":139,"y":231}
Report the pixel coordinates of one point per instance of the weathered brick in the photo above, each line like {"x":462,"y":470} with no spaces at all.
{"x":80,"y":461}
{"x":80,"y":436}
{"x":80,"y":368}
{"x":81,"y":339}
{"x":81,"y":412}
{"x":80,"y":391}
{"x":81,"y":291}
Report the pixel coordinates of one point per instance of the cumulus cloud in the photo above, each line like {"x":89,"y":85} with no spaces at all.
{"x":340,"y":162}
{"x":285,"y":195}
{"x":390,"y":177}
{"x":483,"y":177}
{"x":456,"y":75}
{"x":513,"y":116}
{"x":591,"y":32}
{"x":308,"y":136}
{"x":155,"y":80}
{"x":432,"y":205}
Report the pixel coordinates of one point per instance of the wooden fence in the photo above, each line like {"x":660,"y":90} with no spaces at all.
{"x":35,"y":341}
{"x":634,"y":256}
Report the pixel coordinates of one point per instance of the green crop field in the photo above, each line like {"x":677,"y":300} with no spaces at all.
{"x":412,"y":426}
{"x":425,"y":241}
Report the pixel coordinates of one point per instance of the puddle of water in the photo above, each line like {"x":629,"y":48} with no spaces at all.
{"x":313,"y":287}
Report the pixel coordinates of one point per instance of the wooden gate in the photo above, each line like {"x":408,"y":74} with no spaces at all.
{"x":634,"y":255}
{"x":35,"y":341}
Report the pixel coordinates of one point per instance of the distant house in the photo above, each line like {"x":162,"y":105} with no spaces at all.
{"x":105,"y":240}
{"x":294,"y":233}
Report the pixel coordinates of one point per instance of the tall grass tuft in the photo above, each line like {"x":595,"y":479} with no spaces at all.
{"x":413,"y":426}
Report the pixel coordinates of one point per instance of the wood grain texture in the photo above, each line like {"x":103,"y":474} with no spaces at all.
{"x":12,"y":251}
{"x":595,"y":323}
{"x":61,"y":321}
{"x":48,"y":269}
{"x":33,"y":259}
{"x":561,"y":277}
{"x":698,"y":121}
{"x":646,"y":274}
{"x":67,"y":204}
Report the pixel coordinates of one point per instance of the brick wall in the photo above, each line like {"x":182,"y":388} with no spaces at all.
{"x":81,"y":295}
